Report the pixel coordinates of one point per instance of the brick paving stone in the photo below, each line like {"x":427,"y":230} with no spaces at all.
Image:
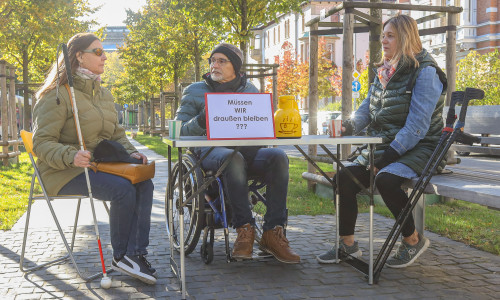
{"x":449,"y":269}
{"x":26,"y":297}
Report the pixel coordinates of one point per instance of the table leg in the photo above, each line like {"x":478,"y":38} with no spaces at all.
{"x":372,"y":189}
{"x":181,"y":227}
{"x":337,"y":199}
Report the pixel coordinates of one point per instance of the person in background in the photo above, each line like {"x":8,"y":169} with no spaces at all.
{"x":404,"y":107}
{"x":271,"y":164}
{"x":62,"y":164}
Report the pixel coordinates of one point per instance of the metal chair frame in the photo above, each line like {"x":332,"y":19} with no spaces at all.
{"x":28,"y":144}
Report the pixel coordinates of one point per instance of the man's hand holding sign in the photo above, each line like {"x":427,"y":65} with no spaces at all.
{"x":239,"y":116}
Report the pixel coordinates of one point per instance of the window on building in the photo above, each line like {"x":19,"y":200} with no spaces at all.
{"x":267,"y":39}
{"x":279,"y":34}
{"x":274,"y":36}
{"x":287,"y":29}
{"x":303,"y":23}
{"x":307,"y":52}
{"x":444,"y":21}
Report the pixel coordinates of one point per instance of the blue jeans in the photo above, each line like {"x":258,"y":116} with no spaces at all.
{"x":130,"y":211}
{"x":269,"y":164}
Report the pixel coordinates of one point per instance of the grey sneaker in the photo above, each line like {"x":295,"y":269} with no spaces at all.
{"x":406,"y":254}
{"x":329,"y":256}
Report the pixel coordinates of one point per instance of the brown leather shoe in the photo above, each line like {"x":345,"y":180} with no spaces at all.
{"x":274,"y":241}
{"x":243,"y":246}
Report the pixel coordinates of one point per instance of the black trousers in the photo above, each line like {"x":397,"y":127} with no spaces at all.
{"x":389,"y":187}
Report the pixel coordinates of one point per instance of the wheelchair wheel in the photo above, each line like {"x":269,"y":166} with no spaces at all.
{"x":207,"y":252}
{"x":193,"y":211}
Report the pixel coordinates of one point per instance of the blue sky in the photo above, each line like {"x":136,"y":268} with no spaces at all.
{"x":113,"y":12}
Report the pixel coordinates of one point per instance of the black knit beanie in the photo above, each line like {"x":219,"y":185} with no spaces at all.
{"x":232,"y":52}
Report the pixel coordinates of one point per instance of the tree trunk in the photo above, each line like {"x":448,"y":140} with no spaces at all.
{"x":347,"y":68}
{"x":27,"y":107}
{"x":244,"y":29}
{"x":243,"y":47}
{"x":197,"y":59}
{"x":176,"y":90}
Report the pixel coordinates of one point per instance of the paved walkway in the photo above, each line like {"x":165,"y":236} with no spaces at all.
{"x":447,"y":270}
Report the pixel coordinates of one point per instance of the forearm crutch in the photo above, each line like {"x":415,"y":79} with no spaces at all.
{"x":448,"y":137}
{"x":105,"y":281}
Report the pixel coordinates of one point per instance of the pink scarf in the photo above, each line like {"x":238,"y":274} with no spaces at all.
{"x":87,"y":74}
{"x":386,"y":71}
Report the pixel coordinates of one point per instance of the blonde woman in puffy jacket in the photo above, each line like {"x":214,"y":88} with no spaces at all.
{"x":62,"y":164}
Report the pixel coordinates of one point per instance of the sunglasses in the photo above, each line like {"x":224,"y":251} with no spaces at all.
{"x":96,"y":51}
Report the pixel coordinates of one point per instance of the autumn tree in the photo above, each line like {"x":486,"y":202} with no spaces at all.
{"x":287,"y":76}
{"x":482,"y":72}
{"x":30,"y":32}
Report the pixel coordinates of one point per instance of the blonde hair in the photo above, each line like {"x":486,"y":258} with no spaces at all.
{"x":408,"y":39}
{"x":77,"y":43}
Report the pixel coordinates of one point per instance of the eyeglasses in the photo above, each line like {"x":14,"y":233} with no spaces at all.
{"x":96,"y":51}
{"x":220,"y":61}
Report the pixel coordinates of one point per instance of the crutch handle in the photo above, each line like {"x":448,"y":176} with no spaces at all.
{"x":470,"y":94}
{"x":451,"y":117}
{"x":467,"y":139}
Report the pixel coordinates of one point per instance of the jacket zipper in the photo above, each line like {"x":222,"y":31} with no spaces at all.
{"x":384,"y":88}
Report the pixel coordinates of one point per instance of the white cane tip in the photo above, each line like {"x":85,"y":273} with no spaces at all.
{"x":106,"y":282}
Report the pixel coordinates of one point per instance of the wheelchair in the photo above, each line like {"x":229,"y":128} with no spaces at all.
{"x":201,"y":215}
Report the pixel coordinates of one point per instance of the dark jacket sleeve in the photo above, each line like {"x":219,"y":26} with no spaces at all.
{"x":192,"y":103}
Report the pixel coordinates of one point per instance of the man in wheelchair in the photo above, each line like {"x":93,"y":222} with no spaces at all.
{"x":270,"y":164}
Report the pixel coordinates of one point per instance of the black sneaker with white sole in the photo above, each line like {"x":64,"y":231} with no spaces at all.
{"x":135,"y":267}
{"x":151,"y":269}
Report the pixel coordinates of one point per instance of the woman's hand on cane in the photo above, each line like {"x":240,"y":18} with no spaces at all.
{"x":82,"y":159}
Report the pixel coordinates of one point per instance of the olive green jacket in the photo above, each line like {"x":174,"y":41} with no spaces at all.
{"x":55,"y":141}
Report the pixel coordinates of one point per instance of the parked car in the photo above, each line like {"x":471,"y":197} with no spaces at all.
{"x":322,"y":123}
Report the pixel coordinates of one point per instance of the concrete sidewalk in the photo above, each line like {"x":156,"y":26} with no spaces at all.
{"x":447,"y":270}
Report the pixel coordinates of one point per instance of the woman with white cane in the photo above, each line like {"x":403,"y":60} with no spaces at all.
{"x":63,"y":163}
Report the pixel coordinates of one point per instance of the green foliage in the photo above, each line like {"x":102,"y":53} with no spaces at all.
{"x":365,"y":86}
{"x":466,"y":222}
{"x":31,"y":30}
{"x":483,"y":72}
{"x":165,"y":38}
{"x":14,"y":187}
{"x":333,"y":106}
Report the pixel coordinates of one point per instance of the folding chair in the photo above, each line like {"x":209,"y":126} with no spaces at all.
{"x":27,"y":138}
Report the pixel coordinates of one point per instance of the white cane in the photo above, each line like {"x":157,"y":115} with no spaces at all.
{"x":105,"y":281}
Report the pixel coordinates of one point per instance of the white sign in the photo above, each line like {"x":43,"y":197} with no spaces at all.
{"x":355,"y":74}
{"x":355,"y":94}
{"x":239,"y":116}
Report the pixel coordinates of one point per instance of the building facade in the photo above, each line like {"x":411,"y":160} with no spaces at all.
{"x":289,"y":33}
{"x":114,"y":37}
{"x":478,"y":27}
